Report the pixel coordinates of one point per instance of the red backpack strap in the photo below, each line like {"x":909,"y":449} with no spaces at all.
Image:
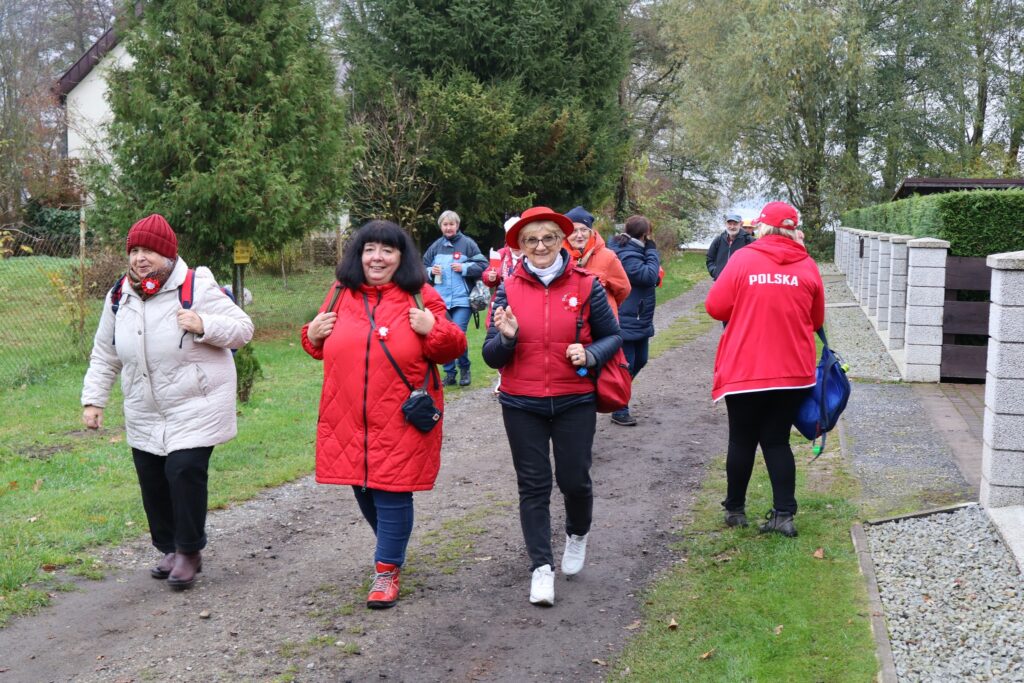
{"x":187,"y":290}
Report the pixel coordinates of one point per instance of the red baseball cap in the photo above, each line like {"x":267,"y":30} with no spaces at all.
{"x":779,"y":215}
{"x":534,"y":215}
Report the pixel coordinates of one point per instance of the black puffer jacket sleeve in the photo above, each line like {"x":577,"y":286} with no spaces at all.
{"x":604,"y":326}
{"x":498,"y":351}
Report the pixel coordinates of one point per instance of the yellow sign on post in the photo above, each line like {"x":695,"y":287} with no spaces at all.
{"x":243,"y":252}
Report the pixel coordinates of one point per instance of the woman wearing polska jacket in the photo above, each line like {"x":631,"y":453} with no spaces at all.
{"x":362,"y":438}
{"x":772,"y":296}
{"x":168,"y":332}
{"x":551,"y":322}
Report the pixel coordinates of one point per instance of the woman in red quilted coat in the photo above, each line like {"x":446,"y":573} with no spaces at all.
{"x":362,"y":438}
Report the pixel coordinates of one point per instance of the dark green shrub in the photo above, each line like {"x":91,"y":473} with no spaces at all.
{"x":975,"y":222}
{"x":248,"y":370}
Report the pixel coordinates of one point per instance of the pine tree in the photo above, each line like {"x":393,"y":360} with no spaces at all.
{"x":518,"y":99}
{"x":228,"y":123}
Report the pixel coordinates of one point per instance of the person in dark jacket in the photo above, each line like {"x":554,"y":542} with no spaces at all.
{"x":551,"y":323}
{"x":454,"y":263}
{"x":732,"y":239}
{"x":773,"y":299}
{"x":642,"y":264}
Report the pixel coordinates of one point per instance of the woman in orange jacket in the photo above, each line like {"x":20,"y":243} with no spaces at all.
{"x":588,"y":251}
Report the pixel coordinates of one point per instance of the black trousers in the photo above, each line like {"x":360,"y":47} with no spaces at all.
{"x":765,"y":418}
{"x":174,"y":495}
{"x":532,"y":437}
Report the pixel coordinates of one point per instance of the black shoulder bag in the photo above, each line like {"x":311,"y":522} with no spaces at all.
{"x":419,"y":408}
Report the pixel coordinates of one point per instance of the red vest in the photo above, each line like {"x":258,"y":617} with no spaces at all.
{"x":547,"y":325}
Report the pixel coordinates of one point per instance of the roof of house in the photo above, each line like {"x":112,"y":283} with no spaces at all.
{"x":80,"y":69}
{"x":912,"y":186}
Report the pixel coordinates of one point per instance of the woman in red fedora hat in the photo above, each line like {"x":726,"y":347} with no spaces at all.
{"x":772,"y":296}
{"x":551,"y":321}
{"x":168,"y":331}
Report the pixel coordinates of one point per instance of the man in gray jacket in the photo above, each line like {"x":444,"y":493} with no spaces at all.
{"x":732,"y":239}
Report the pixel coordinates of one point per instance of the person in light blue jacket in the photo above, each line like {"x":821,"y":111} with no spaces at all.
{"x":454,"y":263}
{"x":641,"y":261}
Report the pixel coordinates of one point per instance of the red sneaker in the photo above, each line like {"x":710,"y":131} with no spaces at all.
{"x":384,"y":591}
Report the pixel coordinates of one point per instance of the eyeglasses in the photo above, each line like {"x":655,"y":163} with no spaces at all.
{"x":582,"y":230}
{"x":549,"y":240}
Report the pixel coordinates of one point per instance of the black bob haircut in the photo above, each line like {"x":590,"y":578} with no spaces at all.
{"x":410,"y":276}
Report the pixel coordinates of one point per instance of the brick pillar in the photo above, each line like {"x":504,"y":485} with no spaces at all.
{"x":884,"y":268}
{"x":837,"y":251}
{"x":1002,"y":463}
{"x":926,"y":292}
{"x":864,"y":278}
{"x":857,"y":264}
{"x":872,"y":302}
{"x":897,"y":291}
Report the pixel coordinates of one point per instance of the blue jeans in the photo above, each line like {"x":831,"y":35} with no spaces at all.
{"x":459,"y":316}
{"x":636,"y":351}
{"x":390,"y":516}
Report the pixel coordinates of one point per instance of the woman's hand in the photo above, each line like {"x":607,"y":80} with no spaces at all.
{"x":577,"y":355}
{"x":457,"y":267}
{"x":505,"y":321}
{"x":421,"y":321}
{"x":435,"y":270}
{"x":320,"y":328}
{"x":190,"y":321}
{"x":492,"y":276}
{"x":92,"y":416}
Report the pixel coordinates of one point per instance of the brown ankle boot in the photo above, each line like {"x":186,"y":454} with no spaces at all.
{"x":186,"y":566}
{"x":163,"y":568}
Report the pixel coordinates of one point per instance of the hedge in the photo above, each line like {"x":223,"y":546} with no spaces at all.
{"x":975,"y":222}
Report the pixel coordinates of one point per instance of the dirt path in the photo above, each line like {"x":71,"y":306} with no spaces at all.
{"x":281,"y":597}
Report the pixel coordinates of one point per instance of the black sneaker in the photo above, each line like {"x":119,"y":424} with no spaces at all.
{"x":464,"y":378}
{"x":780,"y":523}
{"x":736,"y":518}
{"x":624,"y":418}
{"x":449,"y":379}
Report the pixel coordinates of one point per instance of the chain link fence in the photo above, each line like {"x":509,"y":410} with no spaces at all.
{"x":52,"y":289}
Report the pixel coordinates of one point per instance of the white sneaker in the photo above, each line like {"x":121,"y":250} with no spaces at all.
{"x":574,"y":555}
{"x":542,"y":587}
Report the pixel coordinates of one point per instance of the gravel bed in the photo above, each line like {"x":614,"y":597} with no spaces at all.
{"x":952,"y":597}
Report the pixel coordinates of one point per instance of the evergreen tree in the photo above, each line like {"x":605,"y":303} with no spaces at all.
{"x":228,"y":123}
{"x":521,"y":95}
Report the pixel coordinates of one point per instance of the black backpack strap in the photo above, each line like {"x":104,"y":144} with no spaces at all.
{"x":335,"y":293}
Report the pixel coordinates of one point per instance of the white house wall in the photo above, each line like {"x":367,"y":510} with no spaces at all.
{"x":88,"y":111}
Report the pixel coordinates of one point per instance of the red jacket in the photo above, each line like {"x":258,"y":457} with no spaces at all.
{"x":362,"y":437}
{"x":771,"y":294}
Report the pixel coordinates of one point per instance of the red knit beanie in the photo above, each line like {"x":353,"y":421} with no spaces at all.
{"x":154,"y":232}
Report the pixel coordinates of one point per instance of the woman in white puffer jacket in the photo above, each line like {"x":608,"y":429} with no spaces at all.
{"x":178,"y":381}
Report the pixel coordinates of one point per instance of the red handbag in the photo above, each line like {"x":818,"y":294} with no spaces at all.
{"x":613,"y":383}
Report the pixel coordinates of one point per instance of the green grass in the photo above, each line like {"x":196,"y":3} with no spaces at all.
{"x":65,"y":491}
{"x":752,"y":607}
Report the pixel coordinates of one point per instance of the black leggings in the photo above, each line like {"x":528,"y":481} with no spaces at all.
{"x":765,"y":418}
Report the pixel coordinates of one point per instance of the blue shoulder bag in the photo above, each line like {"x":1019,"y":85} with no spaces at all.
{"x":825,"y":402}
